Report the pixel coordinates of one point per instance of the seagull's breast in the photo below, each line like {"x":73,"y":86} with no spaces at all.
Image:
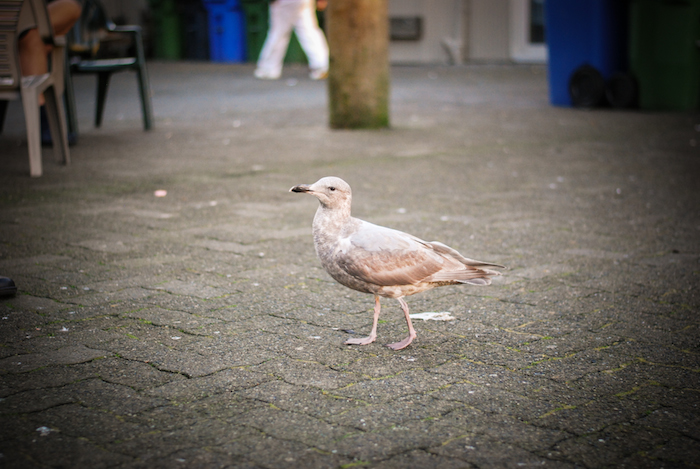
{"x":344,"y":245}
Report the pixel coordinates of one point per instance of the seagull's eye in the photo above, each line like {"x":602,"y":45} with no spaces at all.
{"x":332,"y":189}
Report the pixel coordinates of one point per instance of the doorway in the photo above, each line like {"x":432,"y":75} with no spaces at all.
{"x":527,"y":31}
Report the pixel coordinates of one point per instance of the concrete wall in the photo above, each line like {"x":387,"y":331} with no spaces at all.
{"x":441,"y":19}
{"x":487,"y":31}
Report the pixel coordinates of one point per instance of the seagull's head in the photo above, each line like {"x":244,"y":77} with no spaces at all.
{"x":332,"y":192}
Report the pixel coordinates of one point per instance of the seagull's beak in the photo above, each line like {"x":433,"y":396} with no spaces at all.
{"x":301,"y":188}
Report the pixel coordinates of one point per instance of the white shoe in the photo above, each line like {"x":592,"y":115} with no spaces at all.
{"x":318,"y":74}
{"x":262,"y":75}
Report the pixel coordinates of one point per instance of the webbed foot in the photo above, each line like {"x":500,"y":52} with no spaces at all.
{"x":360,"y":341}
{"x":403,"y":344}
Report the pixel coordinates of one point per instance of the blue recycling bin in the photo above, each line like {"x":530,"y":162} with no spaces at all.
{"x":226,"y":30}
{"x":590,"y":34}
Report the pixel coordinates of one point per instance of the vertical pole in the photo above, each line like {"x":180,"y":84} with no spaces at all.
{"x":358,"y":79}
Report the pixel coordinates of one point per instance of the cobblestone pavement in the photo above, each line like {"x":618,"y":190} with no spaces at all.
{"x":198,"y":329}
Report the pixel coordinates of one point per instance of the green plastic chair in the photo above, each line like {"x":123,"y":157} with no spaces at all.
{"x":85,"y":44}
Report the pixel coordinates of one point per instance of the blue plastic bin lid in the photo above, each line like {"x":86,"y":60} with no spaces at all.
{"x":227,"y":3}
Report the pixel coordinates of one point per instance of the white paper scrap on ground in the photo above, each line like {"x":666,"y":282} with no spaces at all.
{"x":441,"y":316}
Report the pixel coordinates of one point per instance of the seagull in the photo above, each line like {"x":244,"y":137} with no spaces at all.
{"x":381,"y":261}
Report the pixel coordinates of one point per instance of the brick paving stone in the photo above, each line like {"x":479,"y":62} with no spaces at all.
{"x":483,"y":451}
{"x":421,"y":458}
{"x":58,"y":450}
{"x":270,"y":452}
{"x":370,"y":417}
{"x":611,"y":446}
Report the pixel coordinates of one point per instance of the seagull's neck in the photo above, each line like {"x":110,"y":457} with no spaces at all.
{"x":328,"y":224}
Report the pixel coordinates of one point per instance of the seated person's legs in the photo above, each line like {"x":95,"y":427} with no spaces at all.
{"x":63,"y":15}
{"x":32,"y":51}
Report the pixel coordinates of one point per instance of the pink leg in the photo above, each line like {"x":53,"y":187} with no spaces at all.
{"x":411,"y":331}
{"x":373,"y":334}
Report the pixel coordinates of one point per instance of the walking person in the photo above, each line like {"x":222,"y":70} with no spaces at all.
{"x":300,"y":16}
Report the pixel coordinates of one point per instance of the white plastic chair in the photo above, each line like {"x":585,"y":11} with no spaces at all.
{"x":14,"y":86}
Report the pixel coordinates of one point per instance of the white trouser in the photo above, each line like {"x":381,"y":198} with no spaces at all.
{"x":286,"y":15}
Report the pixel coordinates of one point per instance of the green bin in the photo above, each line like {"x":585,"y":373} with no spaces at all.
{"x":665,"y":53}
{"x":295,"y":54}
{"x":167,"y":29}
{"x":257,"y":17}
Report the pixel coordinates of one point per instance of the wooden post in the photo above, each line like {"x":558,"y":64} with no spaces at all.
{"x":358,"y":78}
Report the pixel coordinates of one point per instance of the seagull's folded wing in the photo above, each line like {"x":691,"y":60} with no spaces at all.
{"x":385,"y":257}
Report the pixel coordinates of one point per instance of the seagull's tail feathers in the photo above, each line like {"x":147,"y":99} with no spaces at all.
{"x":446,"y":250}
{"x":470,"y":275}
